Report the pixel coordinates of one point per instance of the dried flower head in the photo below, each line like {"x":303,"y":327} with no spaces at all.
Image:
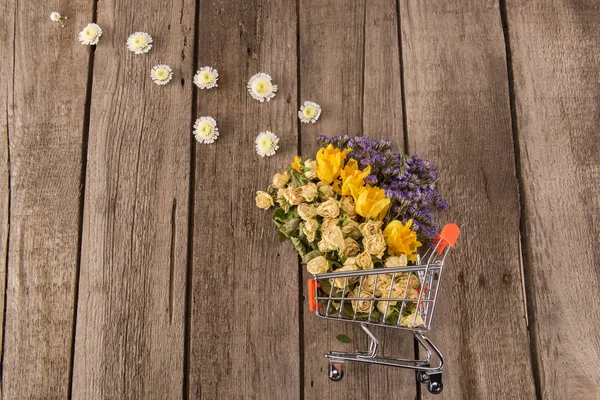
{"x":139,"y":42}
{"x":161,"y":74}
{"x":205,"y":130}
{"x":206,"y":78}
{"x":261,"y":88}
{"x":56,"y":17}
{"x":90,"y":35}
{"x":267,"y":144}
{"x":309,"y":112}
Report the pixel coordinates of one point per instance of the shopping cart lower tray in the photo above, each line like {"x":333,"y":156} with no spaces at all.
{"x":399,"y":297}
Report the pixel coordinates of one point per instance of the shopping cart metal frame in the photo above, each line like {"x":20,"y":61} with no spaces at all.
{"x":429,"y":272}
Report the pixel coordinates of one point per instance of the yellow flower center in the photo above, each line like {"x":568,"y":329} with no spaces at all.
{"x":162,"y":74}
{"x":262,"y":87}
{"x":309,"y":112}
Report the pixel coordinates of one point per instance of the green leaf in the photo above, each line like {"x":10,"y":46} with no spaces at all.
{"x":343,"y":338}
{"x":290,"y":227}
{"x":298,"y":179}
{"x":311,"y":255}
{"x":299,"y":246}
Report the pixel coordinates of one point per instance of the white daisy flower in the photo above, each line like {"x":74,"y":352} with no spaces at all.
{"x":90,"y":35}
{"x":55,"y":16}
{"x":261,"y":88}
{"x":206,"y":78}
{"x":266,"y":144}
{"x":309,"y":112}
{"x":161,"y":74}
{"x":139,"y":42}
{"x":205,"y":130}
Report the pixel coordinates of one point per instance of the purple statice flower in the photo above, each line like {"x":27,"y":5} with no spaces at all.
{"x":408,"y":181}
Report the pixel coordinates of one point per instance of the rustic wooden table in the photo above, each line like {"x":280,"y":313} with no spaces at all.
{"x":136,"y":265}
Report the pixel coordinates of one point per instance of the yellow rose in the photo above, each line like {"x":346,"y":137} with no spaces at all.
{"x":330,"y":162}
{"x":334,"y":238}
{"x":307,"y":211}
{"x":371,"y":227}
{"x":401,"y":239}
{"x":351,"y":229}
{"x":310,"y":169}
{"x":264,"y":200}
{"x":370,"y":202}
{"x":340,"y":282}
{"x":293,"y":195}
{"x":329,"y":209}
{"x":325,"y":190}
{"x":413,"y":320}
{"x":296,"y":164}
{"x":364,"y":260}
{"x":394,"y":261}
{"x":361,"y":306}
{"x":352,"y":247}
{"x":318,"y":265}
{"x":347,"y":205}
{"x":309,"y":191}
{"x":280,"y":180}
{"x":310,"y":229}
{"x":374,"y":245}
{"x":352,"y":176}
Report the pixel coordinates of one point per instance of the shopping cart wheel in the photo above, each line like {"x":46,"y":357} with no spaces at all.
{"x":336,"y":371}
{"x":422,"y":377}
{"x":435,"y":384}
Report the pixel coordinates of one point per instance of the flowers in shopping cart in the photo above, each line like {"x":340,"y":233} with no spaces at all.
{"x":358,"y":205}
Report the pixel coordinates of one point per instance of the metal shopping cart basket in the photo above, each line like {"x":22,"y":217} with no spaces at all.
{"x":399,"y":297}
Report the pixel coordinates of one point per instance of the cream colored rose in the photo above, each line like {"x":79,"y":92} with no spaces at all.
{"x":414,"y":281}
{"x":318,"y":265}
{"x":351,"y":229}
{"x":325,"y":190}
{"x":361,"y":306}
{"x":347,"y":205}
{"x":413,"y":320}
{"x":309,"y":192}
{"x":293,"y":195}
{"x":340,"y":282}
{"x":310,"y":229}
{"x":324,"y":247}
{"x":383,"y":305}
{"x":280,"y":180}
{"x":375,"y":245}
{"x":329,"y":209}
{"x":352,"y":247}
{"x":371,"y":228}
{"x":310,"y":169}
{"x":264,"y":200}
{"x":400,"y":261}
{"x":364,"y":260}
{"x":307,"y":211}
{"x":383,"y":285}
{"x":328,"y":223}
{"x":334,"y":238}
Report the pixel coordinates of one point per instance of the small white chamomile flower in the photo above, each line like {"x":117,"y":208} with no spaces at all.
{"x":205,"y":130}
{"x":267,"y":144}
{"x":261,"y":88}
{"x":55,"y":16}
{"x":139,"y":42}
{"x":206,"y":78}
{"x":309,"y":112}
{"x":161,"y":74}
{"x":90,"y":35}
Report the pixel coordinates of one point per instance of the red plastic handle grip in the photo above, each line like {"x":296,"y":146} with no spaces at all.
{"x":448,"y":236}
{"x":312,"y":295}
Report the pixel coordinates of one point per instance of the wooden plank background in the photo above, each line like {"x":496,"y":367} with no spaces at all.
{"x":134,"y":263}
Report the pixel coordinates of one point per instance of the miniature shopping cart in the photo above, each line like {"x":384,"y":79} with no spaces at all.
{"x":399,"y":297}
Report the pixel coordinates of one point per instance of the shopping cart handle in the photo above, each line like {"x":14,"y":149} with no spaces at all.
{"x":312,"y":295}
{"x":448,"y":236}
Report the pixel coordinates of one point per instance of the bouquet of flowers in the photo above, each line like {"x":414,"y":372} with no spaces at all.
{"x":358,"y":205}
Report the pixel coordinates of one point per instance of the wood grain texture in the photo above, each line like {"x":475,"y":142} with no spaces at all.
{"x":457,"y":104}
{"x":131,"y":311}
{"x":556,"y":68}
{"x":7,"y":17}
{"x":244,"y":323}
{"x":46,"y":94}
{"x":350,"y":65}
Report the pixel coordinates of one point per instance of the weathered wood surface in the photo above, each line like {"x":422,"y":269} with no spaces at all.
{"x":183,"y":290}
{"x":45,"y":94}
{"x":556,"y":67}
{"x":458,"y":116}
{"x":244,"y":329}
{"x":132,"y":291}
